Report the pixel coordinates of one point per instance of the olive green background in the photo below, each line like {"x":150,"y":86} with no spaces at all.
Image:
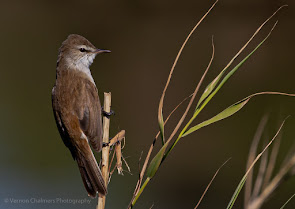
{"x":144,"y":37}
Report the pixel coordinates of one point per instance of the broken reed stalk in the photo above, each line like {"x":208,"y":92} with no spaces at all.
{"x":117,"y":141}
{"x":105,"y":150}
{"x":119,"y":159}
{"x":118,"y":138}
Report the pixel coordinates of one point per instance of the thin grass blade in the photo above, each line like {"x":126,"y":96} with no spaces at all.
{"x":222,"y":115}
{"x":208,"y":186}
{"x":161,"y":126}
{"x":231,"y":110}
{"x":287,"y":201}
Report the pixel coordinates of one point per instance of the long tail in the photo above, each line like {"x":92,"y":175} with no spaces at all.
{"x":91,"y":175}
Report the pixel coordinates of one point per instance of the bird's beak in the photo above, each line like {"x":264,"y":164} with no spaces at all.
{"x":98,"y":51}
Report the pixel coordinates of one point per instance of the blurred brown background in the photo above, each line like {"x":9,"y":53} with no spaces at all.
{"x":144,"y":37}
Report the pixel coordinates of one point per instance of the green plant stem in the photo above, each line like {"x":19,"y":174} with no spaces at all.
{"x":140,"y":191}
{"x":184,"y":129}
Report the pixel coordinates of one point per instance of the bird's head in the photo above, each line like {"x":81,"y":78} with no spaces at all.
{"x":78,"y":51}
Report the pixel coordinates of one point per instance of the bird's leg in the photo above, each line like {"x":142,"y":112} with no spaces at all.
{"x":107,"y":114}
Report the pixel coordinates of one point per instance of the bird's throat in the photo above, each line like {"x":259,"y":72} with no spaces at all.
{"x":81,"y":65}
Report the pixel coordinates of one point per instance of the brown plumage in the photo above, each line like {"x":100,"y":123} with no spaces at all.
{"x":77,"y":109}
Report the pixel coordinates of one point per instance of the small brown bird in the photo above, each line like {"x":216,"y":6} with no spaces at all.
{"x":77,"y":109}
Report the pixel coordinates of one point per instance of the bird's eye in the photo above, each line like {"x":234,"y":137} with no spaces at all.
{"x":82,"y":50}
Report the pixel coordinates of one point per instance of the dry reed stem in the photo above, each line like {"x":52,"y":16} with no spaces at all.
{"x":270,"y":185}
{"x":258,"y":201}
{"x":261,"y":173}
{"x":272,"y":161}
{"x":251,"y":157}
{"x":105,"y":150}
{"x":274,"y":183}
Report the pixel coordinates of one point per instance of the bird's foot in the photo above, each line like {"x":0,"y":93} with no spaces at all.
{"x":107,"y":144}
{"x":107,"y":114}
{"x":104,"y":144}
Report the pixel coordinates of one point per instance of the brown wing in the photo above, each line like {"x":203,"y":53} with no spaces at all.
{"x":76,"y":103}
{"x":88,"y":110}
{"x":77,"y":109}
